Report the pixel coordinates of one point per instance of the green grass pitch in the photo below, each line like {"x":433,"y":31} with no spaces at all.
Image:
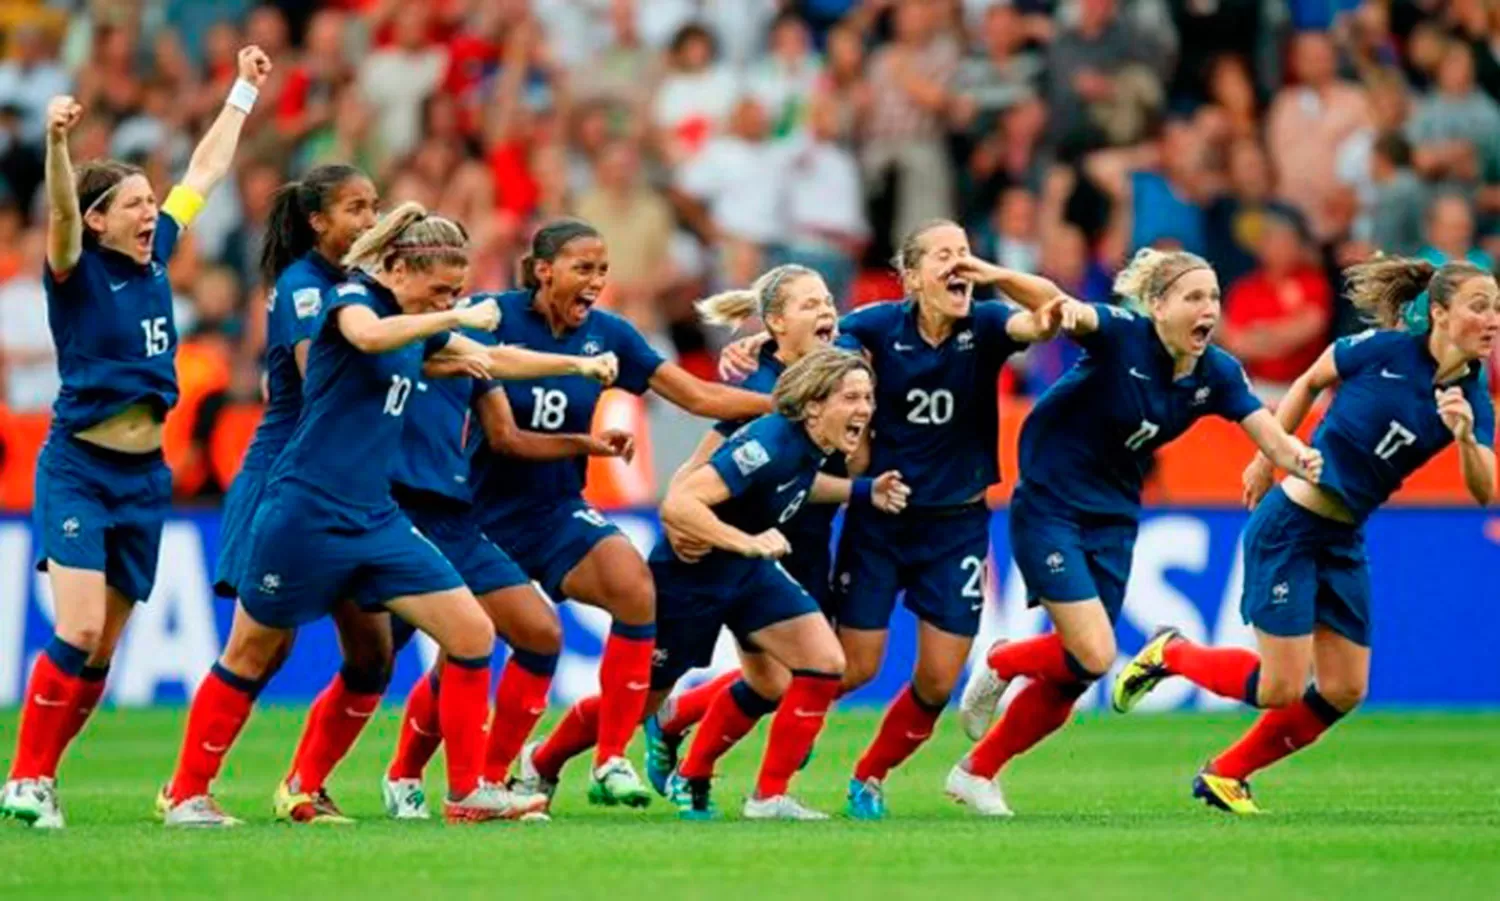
{"x":1390,"y":805}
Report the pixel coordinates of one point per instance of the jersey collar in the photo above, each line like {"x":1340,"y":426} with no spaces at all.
{"x":769,"y":360}
{"x":912,"y":316}
{"x":1163,"y":358}
{"x":322,"y":264}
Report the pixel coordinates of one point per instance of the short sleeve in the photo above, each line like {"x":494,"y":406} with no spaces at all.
{"x":1352,"y":355}
{"x":1484,"y":412}
{"x":991,"y":318}
{"x":435,"y":344}
{"x":1116,"y":324}
{"x":638,"y":359}
{"x":859,"y":330}
{"x":75,"y":286}
{"x":348,"y":294}
{"x":743,"y":460}
{"x":296,"y":307}
{"x":1236,"y":398}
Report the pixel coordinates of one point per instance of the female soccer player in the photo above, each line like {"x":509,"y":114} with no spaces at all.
{"x":329,"y":529}
{"x":1402,"y":397}
{"x":799,"y":314}
{"x":735,"y":504}
{"x":102,"y":488}
{"x":1144,"y":379}
{"x":937,"y":359}
{"x":535,"y":511}
{"x":431,"y":482}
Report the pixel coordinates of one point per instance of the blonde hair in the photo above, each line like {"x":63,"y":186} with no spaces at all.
{"x":765,"y":296}
{"x":411,"y":235}
{"x":814,"y":378}
{"x":1384,"y":287}
{"x":1151,"y":273}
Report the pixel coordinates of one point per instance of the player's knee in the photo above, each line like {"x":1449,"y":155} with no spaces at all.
{"x":1274,"y":693}
{"x":539,"y":635}
{"x":1095,"y":653}
{"x":86,"y":636}
{"x":469,"y":644}
{"x":255,"y":657}
{"x":1343,"y":695}
{"x":770,"y":682}
{"x":634,"y":601}
{"x":859,"y":671}
{"x":828,"y":659}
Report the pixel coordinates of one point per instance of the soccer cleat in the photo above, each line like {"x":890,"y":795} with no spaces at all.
{"x":1226,"y":793}
{"x":866,"y":799}
{"x":405,"y":799}
{"x":489,"y":801}
{"x":163,"y":802}
{"x":661,"y":754}
{"x":616,"y":783}
{"x":780,"y":807}
{"x":33,"y":802}
{"x":693,"y":798}
{"x":198,"y":812}
{"x":982,"y":794}
{"x":309,"y":808}
{"x":981,"y":698}
{"x":1144,"y":672}
{"x":527,"y":780}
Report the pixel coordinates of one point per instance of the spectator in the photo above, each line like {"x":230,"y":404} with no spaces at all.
{"x":784,"y":79}
{"x":1450,"y":233}
{"x":1234,"y":222}
{"x":844,"y":81}
{"x":1389,"y":105}
{"x":695,"y":97}
{"x":826,"y":229}
{"x":1156,"y":192}
{"x":30,"y":78}
{"x":308,"y":100}
{"x":348,"y":137}
{"x":1276,"y":318}
{"x":636,"y":222}
{"x":396,"y":80}
{"x":1010,"y":237}
{"x":1455,"y":132}
{"x":1232,"y":110}
{"x":1394,"y":210}
{"x":1308,"y":121}
{"x":1104,"y":79}
{"x":1009,"y":156}
{"x":624,"y":69}
{"x":26,"y":350}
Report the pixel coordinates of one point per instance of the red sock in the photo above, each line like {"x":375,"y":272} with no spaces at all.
{"x":907,"y":724}
{"x":463,"y":708}
{"x":90,"y":691}
{"x":333,"y":725}
{"x":220,"y":708}
{"x":798,"y":720}
{"x":1276,"y":734}
{"x":575,"y":733}
{"x":1042,"y":657}
{"x":1037,"y":711}
{"x":1227,"y":672}
{"x":421,"y":732}
{"x":520,"y":700}
{"x":692,"y":705}
{"x":46,"y":719}
{"x":624,"y":681}
{"x":730,"y":717}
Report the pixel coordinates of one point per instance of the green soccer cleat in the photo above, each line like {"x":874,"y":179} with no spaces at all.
{"x":616,"y":783}
{"x":661,"y":754}
{"x":693,"y":798}
{"x":1144,"y":672}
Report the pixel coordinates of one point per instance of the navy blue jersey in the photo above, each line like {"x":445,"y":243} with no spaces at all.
{"x":560,"y":404}
{"x":769,"y":467}
{"x":1384,"y":423}
{"x":352,"y":406}
{"x":1088,"y":441}
{"x":111,"y":320}
{"x":441,"y":434}
{"x":937,"y":413}
{"x":292,"y":313}
{"x":815,"y":525}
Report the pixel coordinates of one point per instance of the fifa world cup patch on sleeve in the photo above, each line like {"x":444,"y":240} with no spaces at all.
{"x":307,"y":302}
{"x":750,"y":456}
{"x":348,"y":288}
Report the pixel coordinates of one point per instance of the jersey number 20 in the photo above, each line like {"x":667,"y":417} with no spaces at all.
{"x":930,"y":407}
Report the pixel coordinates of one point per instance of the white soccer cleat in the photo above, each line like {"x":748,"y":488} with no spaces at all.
{"x":199,"y":812}
{"x":981,"y":698}
{"x":405,"y":799}
{"x":780,"y":807}
{"x":33,"y":802}
{"x":982,"y":794}
{"x":527,"y":780}
{"x":493,"y":802}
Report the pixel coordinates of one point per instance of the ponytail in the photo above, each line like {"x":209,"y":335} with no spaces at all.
{"x":1384,"y":288}
{"x":765,"y":297}
{"x":409,"y":234}
{"x":289,"y":231}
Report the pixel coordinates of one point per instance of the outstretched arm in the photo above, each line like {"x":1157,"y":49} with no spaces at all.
{"x":506,"y":437}
{"x":1289,"y":415}
{"x":214,"y":154}
{"x":64,"y":220}
{"x":710,"y":399}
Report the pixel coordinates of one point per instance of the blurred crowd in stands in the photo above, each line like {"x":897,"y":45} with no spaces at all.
{"x":708,"y":139}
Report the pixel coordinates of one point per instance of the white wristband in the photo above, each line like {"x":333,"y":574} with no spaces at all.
{"x":242,"y":96}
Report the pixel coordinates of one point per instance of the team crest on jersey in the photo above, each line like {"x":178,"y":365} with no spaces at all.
{"x":965,"y":340}
{"x":270,"y":583}
{"x":1055,"y":562}
{"x":307,"y":302}
{"x":750,"y":456}
{"x":592,"y":348}
{"x":71,"y":527}
{"x":1200,"y":397}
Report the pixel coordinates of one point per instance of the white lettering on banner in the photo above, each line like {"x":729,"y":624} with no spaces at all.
{"x":172,"y":639}
{"x":1165,"y":543}
{"x":15,"y":570}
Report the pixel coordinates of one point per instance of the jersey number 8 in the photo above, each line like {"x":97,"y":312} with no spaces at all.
{"x":930,"y":407}
{"x":549,"y":406}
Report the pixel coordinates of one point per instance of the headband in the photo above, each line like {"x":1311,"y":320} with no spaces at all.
{"x":769,"y":293}
{"x":1173,"y":280}
{"x":103,"y":197}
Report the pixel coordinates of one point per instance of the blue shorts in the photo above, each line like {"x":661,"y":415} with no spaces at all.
{"x":299,"y":569}
{"x":101,"y":510}
{"x":455,"y":531}
{"x":937,"y":557}
{"x":811,"y":564}
{"x":245,"y":495}
{"x":1302,"y":569}
{"x":548,"y":543}
{"x":1068,"y":556}
{"x":690,"y":611}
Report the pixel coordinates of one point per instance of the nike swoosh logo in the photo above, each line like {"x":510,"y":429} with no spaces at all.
{"x":918,"y":736}
{"x":1387,"y":374}
{"x":899,"y":346}
{"x":215,"y":749}
{"x":808,"y":714}
{"x":1143,"y":377}
{"x":786,"y":486}
{"x":119,"y":287}
{"x":419,"y":730}
{"x":43,"y":702}
{"x":535,"y":711}
{"x":358,"y":714}
{"x":638,"y":686}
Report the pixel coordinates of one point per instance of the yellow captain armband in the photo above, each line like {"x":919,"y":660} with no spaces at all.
{"x":183,"y":204}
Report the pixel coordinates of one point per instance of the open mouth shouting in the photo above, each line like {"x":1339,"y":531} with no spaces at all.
{"x":826,"y":330}
{"x":854,"y":431}
{"x":1202,"y":334}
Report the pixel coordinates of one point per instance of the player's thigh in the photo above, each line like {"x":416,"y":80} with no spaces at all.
{"x":780,"y":617}
{"x":366,"y":643}
{"x":452,"y":617}
{"x":804,"y":642}
{"x":296,"y":570}
{"x":1341,"y":668}
{"x":864,"y":650}
{"x":254,"y":650}
{"x":941,"y":656}
{"x":682,"y":644}
{"x":1086,"y":632}
{"x":1343,"y":595}
{"x":117,"y":610}
{"x":1285,"y":664}
{"x":80,"y":604}
{"x":613,"y":576}
{"x":523,"y":618}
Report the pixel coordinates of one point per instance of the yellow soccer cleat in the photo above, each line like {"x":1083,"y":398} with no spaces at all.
{"x":163,"y":803}
{"x":1144,"y":672}
{"x":309,"y":808}
{"x":1226,"y":793}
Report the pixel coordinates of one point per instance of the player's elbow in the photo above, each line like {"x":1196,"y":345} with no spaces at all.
{"x":673,"y":508}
